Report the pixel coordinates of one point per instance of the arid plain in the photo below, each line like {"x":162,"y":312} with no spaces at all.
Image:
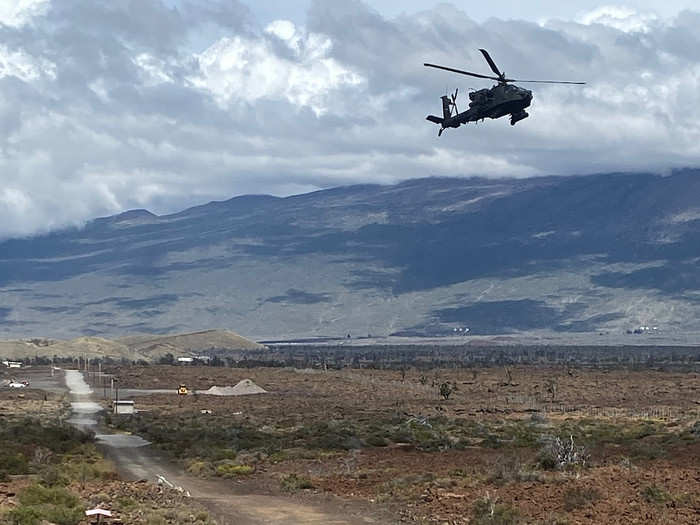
{"x":497,"y":449}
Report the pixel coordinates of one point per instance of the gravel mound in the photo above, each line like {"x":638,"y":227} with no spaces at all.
{"x":243,"y":388}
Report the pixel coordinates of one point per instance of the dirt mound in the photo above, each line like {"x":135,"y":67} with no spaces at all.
{"x":245,"y":387}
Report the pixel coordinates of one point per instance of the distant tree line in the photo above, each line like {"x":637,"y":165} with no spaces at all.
{"x":399,"y":357}
{"x":425,"y":357}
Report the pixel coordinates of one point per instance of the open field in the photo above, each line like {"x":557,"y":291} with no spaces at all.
{"x":489,"y":453}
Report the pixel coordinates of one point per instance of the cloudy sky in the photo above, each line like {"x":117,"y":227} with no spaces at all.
{"x":109,"y":105}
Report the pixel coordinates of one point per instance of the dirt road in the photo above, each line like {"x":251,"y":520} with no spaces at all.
{"x":135,"y":459}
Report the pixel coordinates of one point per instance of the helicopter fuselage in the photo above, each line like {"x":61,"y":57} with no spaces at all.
{"x":499,"y":101}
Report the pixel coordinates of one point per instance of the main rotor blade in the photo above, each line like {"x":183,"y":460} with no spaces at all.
{"x":544,"y":81}
{"x":494,"y":68}
{"x":461,"y":72}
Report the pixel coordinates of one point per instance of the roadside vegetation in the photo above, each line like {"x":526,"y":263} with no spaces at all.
{"x":50,"y":472}
{"x":49,"y":459}
{"x":556,"y":444}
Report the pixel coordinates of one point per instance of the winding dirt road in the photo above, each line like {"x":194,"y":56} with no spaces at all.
{"x":136,"y":459}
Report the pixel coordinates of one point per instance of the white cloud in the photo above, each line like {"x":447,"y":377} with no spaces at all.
{"x":19,"y":64}
{"x":287,"y":32}
{"x":622,"y":18}
{"x":16,"y":13}
{"x":104,"y":107}
{"x":240,"y":69}
{"x":15,"y":200}
{"x":153,"y":68}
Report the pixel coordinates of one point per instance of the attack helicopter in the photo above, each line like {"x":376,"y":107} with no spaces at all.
{"x":502,"y":99}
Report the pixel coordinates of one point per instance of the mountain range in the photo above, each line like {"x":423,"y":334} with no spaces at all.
{"x":567,"y":258}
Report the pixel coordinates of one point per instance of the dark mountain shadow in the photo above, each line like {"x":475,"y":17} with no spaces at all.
{"x":588,"y":325}
{"x":425,"y":233}
{"x":672,"y":278}
{"x":57,"y":309}
{"x":501,"y":316}
{"x":294,"y":296}
{"x":4,"y":313}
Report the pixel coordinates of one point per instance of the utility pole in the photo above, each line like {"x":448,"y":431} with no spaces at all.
{"x":116,"y":401}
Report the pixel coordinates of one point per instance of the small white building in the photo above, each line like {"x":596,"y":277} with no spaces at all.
{"x":123,"y":407}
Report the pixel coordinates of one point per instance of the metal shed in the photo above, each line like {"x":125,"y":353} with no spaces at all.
{"x":123,"y":407}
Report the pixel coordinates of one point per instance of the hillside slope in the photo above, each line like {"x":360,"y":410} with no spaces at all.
{"x":147,"y":347}
{"x":575,"y":255}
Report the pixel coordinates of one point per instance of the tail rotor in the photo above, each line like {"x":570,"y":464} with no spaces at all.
{"x":454,"y":101}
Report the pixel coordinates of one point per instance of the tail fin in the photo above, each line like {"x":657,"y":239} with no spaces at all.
{"x":446,"y":111}
{"x":446,"y":107}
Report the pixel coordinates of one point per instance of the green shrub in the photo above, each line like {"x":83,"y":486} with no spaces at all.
{"x":292,"y":482}
{"x":377,"y":441}
{"x":695,"y":429}
{"x":656,"y":495}
{"x":226,"y":469}
{"x":488,"y":511}
{"x":223,"y":453}
{"x":58,"y":438}
{"x":51,"y":477}
{"x":647,"y":450}
{"x":53,"y":504}
{"x":492,"y":441}
{"x":200,"y":468}
{"x":14,"y":463}
{"x":329,"y":436}
{"x":429,"y":438}
{"x":126,"y":503}
{"x":24,"y":516}
{"x":38,"y":494}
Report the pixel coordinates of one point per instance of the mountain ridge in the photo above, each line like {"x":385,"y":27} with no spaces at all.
{"x":148,"y":347}
{"x":559,"y":255}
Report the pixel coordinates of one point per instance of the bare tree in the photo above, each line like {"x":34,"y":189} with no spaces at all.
{"x":551,"y":387}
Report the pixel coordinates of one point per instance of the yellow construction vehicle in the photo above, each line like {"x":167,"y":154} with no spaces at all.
{"x":182,"y":390}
